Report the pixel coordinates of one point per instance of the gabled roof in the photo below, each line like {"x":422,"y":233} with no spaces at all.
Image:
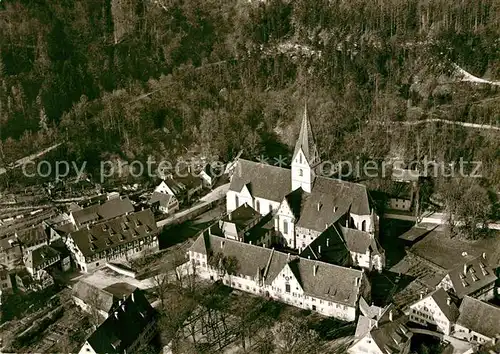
{"x":329,"y":247}
{"x":328,"y":281}
{"x":471,"y":276}
{"x":480,"y":317}
{"x":100,"y":212}
{"x":306,"y":142}
{"x":33,"y":235}
{"x":241,"y":217}
{"x":253,"y":260}
{"x":387,"y":329}
{"x":37,"y":257}
{"x":162,"y":198}
{"x":124,"y":326}
{"x":183,"y":181}
{"x":440,"y":297}
{"x":359,"y":241}
{"x":115,"y":232}
{"x":94,"y":296}
{"x":265,"y":181}
{"x":330,"y":200}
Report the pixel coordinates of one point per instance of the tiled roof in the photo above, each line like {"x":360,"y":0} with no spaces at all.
{"x":265,"y":181}
{"x":392,"y":336}
{"x":440,"y":297}
{"x":359,"y":241}
{"x":183,"y":181}
{"x":40,"y":255}
{"x":33,"y":235}
{"x":476,"y":276}
{"x":94,"y":296}
{"x":115,"y":232}
{"x":480,"y":317}
{"x":330,"y":282}
{"x":100,"y":212}
{"x":163,"y":199}
{"x":329,"y":201}
{"x":253,"y":261}
{"x":241,"y":216}
{"x":329,"y":247}
{"x":123,"y":327}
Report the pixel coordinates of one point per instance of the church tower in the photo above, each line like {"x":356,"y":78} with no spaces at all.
{"x":305,"y":157}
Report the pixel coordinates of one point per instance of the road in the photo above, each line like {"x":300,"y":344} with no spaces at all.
{"x":216,"y":194}
{"x":28,"y":158}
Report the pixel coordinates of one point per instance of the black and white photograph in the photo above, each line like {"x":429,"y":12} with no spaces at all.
{"x":250,"y":176}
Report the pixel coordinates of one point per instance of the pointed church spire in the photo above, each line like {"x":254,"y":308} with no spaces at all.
{"x":306,"y":141}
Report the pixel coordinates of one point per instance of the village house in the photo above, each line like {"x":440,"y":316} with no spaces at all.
{"x":381,"y":331}
{"x":122,"y":237}
{"x":11,"y":254}
{"x":211,"y":173}
{"x":5,"y":282}
{"x":403,"y":188}
{"x":304,"y":203}
{"x":328,"y":289}
{"x":478,"y":322}
{"x":435,"y":310}
{"x":33,"y":238}
{"x":91,"y":298}
{"x":346,"y":247}
{"x":184,"y":185}
{"x":131,"y":325}
{"x":474,"y":278}
{"x":40,"y":259}
{"x":459,"y":267}
{"x":245,"y":224}
{"x":164,"y":203}
{"x":101,"y":212}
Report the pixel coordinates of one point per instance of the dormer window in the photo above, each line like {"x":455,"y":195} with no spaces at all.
{"x":474,"y":278}
{"x":108,"y":242}
{"x":464,"y":283}
{"x":93,"y":247}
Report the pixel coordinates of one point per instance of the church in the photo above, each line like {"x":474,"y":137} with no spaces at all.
{"x":303,"y":202}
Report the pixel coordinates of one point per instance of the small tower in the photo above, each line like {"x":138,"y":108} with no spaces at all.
{"x":305,"y":157}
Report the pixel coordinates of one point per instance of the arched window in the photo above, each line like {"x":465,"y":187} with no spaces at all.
{"x":257,"y":205}
{"x":300,"y":157}
{"x":237,"y":201}
{"x":363,"y":225}
{"x":285,"y":227}
{"x":301,"y":173}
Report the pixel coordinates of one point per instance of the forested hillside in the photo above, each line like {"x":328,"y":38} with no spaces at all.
{"x":137,"y":78}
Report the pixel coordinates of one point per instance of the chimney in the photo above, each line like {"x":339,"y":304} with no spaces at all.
{"x":319,"y":206}
{"x":347,"y":223}
{"x":229,"y":215}
{"x":308,"y":257}
{"x":327,"y":242}
{"x":448,"y":301}
{"x":288,"y":257}
{"x":123,"y":307}
{"x":315,"y":269}
{"x":390,"y":315}
{"x":319,"y":249}
{"x":250,"y":242}
{"x":465,"y":268}
{"x":421,"y":295}
{"x":484,"y":255}
{"x":133,"y":299}
{"x":334,"y":209}
{"x":119,"y":302}
{"x":222,"y":244}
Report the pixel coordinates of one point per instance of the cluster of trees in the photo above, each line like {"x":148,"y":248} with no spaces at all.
{"x":137,"y":79}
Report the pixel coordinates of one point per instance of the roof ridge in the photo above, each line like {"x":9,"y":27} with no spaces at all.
{"x":264,"y":164}
{"x":481,"y":302}
{"x":344,"y":182}
{"x":330,"y":264}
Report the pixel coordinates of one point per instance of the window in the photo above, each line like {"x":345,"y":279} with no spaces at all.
{"x":287,"y":288}
{"x":237,"y":201}
{"x":314,"y":307}
{"x":301,"y":173}
{"x":363,"y":225}
{"x":300,"y":158}
{"x":257,"y":205}
{"x":285,"y":227}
